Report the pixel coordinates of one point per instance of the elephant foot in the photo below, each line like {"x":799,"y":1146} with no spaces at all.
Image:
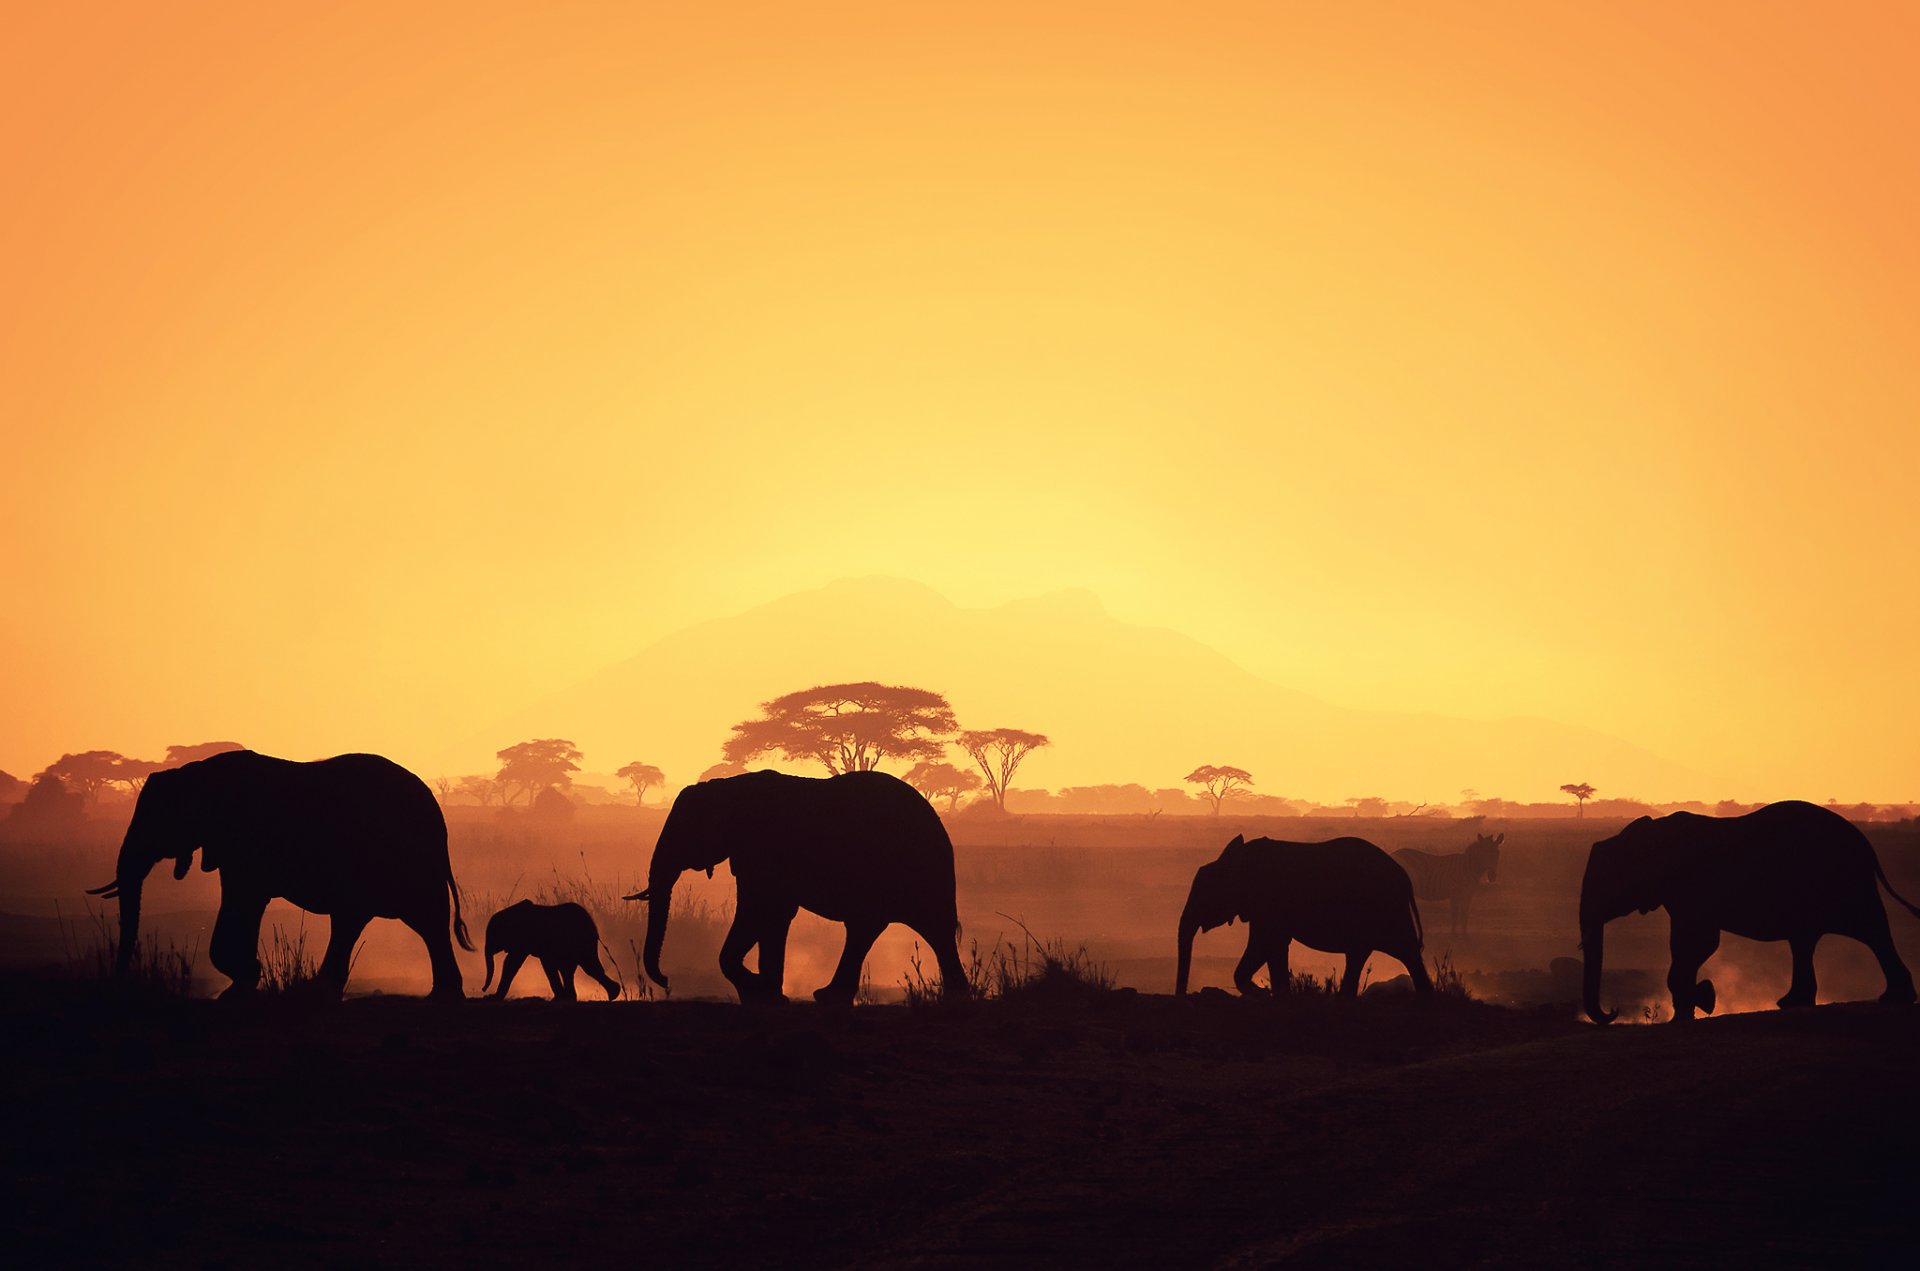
{"x":831,"y":996}
{"x":1704,"y":997}
{"x":453,"y":993}
{"x":1795,"y":1000}
{"x":237,"y":992}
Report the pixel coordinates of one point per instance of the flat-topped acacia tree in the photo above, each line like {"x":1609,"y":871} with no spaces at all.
{"x":999,"y":752}
{"x":1220,"y":782}
{"x":846,"y":727}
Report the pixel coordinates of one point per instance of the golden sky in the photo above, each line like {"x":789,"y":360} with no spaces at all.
{"x":368,"y":371}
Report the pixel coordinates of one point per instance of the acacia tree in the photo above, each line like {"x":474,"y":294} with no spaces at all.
{"x":846,"y":727}
{"x":1581,"y":792}
{"x":999,"y":751}
{"x":644,"y":777}
{"x":482,"y":790}
{"x":536,"y":767}
{"x":88,"y":772}
{"x":942,"y":781}
{"x":1220,"y":782}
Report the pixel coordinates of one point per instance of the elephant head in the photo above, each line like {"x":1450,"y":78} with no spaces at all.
{"x":1625,"y":874}
{"x":698,"y":835}
{"x":168,"y":821}
{"x":1212,"y":901}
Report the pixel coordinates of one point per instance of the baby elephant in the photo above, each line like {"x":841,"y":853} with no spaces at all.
{"x":562,"y":936}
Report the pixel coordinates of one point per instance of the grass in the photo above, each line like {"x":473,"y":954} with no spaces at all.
{"x":162,"y":969}
{"x":287,"y":965}
{"x":1034,"y":970}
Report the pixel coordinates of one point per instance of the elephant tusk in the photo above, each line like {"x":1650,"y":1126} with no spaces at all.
{"x":639,"y":895}
{"x":108,"y":892}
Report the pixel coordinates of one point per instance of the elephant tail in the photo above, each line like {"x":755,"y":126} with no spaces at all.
{"x":1881,"y":874}
{"x":459,"y":923}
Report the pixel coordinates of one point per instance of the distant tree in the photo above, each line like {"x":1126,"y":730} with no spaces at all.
{"x":50,"y":803}
{"x":12,"y":789}
{"x":644,"y":777}
{"x":133,"y":773}
{"x":846,"y":727}
{"x":482,"y":790}
{"x":1581,"y":792}
{"x":177,"y":755}
{"x":551,"y":805}
{"x":999,"y":752}
{"x":443,"y":790}
{"x":942,"y":781}
{"x":88,"y":772}
{"x":1371,"y":805}
{"x":536,"y":767}
{"x":725,"y":768}
{"x":1220,"y":782}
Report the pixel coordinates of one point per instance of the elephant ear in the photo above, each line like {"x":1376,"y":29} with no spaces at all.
{"x":1239,"y":840}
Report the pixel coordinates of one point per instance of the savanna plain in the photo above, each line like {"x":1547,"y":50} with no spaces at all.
{"x":1078,"y":1114}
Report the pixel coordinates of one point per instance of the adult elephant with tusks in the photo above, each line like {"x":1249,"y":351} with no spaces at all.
{"x":356,"y":836}
{"x":862,"y":848}
{"x":1341,"y":896}
{"x":1790,"y":871}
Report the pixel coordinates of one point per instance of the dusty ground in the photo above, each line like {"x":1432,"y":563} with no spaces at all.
{"x":1124,"y":1130}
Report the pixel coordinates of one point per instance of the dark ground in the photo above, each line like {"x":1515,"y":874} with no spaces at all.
{"x":1115,"y":1130}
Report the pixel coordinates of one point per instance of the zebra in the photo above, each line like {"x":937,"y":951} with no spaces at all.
{"x":1454,"y":877}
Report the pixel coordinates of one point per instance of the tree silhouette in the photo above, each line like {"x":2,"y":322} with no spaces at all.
{"x":1220,"y":782}
{"x":644,"y":777}
{"x":1581,"y":792}
{"x":90,"y":771}
{"x":999,"y":751}
{"x":482,"y":790}
{"x":536,"y":766}
{"x":177,"y":755}
{"x":942,"y":781}
{"x":11,"y":787}
{"x":846,"y":727}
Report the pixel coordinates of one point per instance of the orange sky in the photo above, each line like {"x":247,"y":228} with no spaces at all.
{"x":367,"y":374}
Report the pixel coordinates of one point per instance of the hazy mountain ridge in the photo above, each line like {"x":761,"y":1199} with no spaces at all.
{"x":1122,"y":702}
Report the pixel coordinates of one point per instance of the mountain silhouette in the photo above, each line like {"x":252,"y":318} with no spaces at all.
{"x":1122,"y":702}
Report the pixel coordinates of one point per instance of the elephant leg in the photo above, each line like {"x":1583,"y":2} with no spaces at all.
{"x":1801,"y":992}
{"x":839,"y":991}
{"x":1876,"y":935}
{"x":773,"y":953}
{"x":234,"y":949}
{"x":1279,"y":971}
{"x":561,"y":976}
{"x":431,"y":926}
{"x":509,"y":969}
{"x":1350,"y":978}
{"x":943,"y":938}
{"x":598,"y":974}
{"x":338,"y":960}
{"x":1416,"y":963}
{"x":1690,"y":946}
{"x":733,"y":955}
{"x":1250,"y":963}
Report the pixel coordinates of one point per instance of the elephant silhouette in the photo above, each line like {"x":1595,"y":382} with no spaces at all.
{"x":356,"y":836}
{"x":562,"y":936}
{"x":862,"y":848}
{"x":1341,"y":896}
{"x":1453,"y":877}
{"x":1789,"y":871}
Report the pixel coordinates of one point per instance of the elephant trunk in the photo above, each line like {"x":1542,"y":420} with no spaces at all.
{"x":129,"y":876}
{"x":129,"y":925}
{"x":659,"y":898}
{"x":1189,"y":926}
{"x":1593,"y":947}
{"x":493,"y":951}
